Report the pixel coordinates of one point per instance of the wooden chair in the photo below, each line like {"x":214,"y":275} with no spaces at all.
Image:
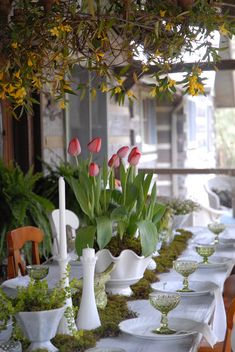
{"x":224,"y":346}
{"x":15,"y":241}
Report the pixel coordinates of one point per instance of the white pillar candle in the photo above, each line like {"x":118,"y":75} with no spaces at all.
{"x":63,"y":238}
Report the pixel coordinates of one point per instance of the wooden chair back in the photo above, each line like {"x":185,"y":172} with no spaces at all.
{"x":230,"y":321}
{"x":15,"y":241}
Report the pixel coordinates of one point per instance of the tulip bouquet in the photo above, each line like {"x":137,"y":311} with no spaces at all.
{"x":114,"y":208}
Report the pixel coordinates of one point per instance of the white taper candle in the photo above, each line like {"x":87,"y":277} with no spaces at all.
{"x":63,"y":237}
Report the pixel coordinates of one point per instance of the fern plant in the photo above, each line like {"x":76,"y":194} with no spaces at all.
{"x":21,"y":206}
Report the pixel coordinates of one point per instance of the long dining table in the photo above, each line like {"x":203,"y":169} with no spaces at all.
{"x":200,"y":308}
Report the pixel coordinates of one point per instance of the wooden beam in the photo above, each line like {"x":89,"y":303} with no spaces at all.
{"x":223,"y":65}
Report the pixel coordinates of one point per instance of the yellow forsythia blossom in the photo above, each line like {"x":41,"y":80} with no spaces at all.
{"x":169,"y":26}
{"x":153,"y":92}
{"x":62,"y":104}
{"x":104,"y":88}
{"x":55,"y":31}
{"x":130,"y":94}
{"x":224,"y":31}
{"x":171,"y":83}
{"x":117,"y":90}
{"x":14,"y":45}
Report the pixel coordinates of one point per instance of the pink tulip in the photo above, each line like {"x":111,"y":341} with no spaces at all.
{"x":122,"y":152}
{"x":93,"y":169}
{"x":114,"y":161}
{"x":74,"y":148}
{"x":134,"y":156}
{"x":94,"y":145}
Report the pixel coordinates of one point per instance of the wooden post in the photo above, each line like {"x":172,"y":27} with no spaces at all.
{"x":7,"y":134}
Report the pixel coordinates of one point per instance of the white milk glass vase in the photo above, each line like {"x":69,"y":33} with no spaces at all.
{"x":88,"y":316}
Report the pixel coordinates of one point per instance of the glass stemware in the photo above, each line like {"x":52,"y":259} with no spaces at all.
{"x":37,"y":272}
{"x":164,"y":302}
{"x":205,"y":251}
{"x":185,"y":268}
{"x":216,"y":229}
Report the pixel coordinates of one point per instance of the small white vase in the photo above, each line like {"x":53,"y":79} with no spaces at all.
{"x":88,"y":316}
{"x":40,"y":327}
{"x":129,"y":269}
{"x":179,"y":221}
{"x":5,"y":334}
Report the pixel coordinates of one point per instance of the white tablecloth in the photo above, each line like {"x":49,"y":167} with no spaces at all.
{"x":199,"y":308}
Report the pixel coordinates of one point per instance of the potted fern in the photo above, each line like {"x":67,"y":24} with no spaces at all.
{"x":20,"y":206}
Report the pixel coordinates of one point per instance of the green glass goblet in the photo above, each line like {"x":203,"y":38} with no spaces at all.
{"x":205,"y":251}
{"x":164,"y":302}
{"x":185,"y":268}
{"x":37,"y":272}
{"x":216,"y":229}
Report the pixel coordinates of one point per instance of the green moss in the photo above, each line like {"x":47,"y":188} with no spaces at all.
{"x":117,"y":309}
{"x":164,"y":261}
{"x":83,"y":341}
{"x":116,"y":246}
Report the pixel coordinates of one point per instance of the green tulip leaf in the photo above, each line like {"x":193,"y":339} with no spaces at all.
{"x":104,"y":231}
{"x":148,"y":237}
{"x":85,"y":238}
{"x":119,"y":214}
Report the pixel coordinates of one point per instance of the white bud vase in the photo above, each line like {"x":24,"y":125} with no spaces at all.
{"x":88,"y":317}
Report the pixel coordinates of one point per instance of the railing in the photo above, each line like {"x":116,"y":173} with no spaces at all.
{"x":188,"y":171}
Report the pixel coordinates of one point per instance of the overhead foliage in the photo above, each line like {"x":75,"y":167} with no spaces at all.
{"x":42,"y":40}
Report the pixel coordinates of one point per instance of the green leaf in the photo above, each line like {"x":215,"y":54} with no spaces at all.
{"x":119,"y":213}
{"x":159,"y":210}
{"x":147,"y":183}
{"x":104,"y":231}
{"x":148,"y":237}
{"x":124,"y":70}
{"x":85,"y":238}
{"x":80,"y":195}
{"x":132,"y":194}
{"x":105,"y":173}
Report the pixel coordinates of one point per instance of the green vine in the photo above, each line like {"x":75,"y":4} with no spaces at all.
{"x":115,"y":39}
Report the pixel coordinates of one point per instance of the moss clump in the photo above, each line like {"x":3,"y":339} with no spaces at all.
{"x":116,"y":245}
{"x":80,"y":343}
{"x":168,"y":254}
{"x":142,"y":288}
{"x":115,"y":311}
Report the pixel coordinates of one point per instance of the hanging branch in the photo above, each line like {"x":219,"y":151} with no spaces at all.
{"x":44,"y":39}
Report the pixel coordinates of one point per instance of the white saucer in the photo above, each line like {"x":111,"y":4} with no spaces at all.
{"x":142,"y":328}
{"x":215,"y":262}
{"x":199,"y":287}
{"x":226,"y":242}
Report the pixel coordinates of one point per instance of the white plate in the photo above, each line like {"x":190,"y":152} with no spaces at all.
{"x":106,"y":349}
{"x":215,"y":262}
{"x":226,"y":242}
{"x":142,"y":328}
{"x":199,"y":287}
